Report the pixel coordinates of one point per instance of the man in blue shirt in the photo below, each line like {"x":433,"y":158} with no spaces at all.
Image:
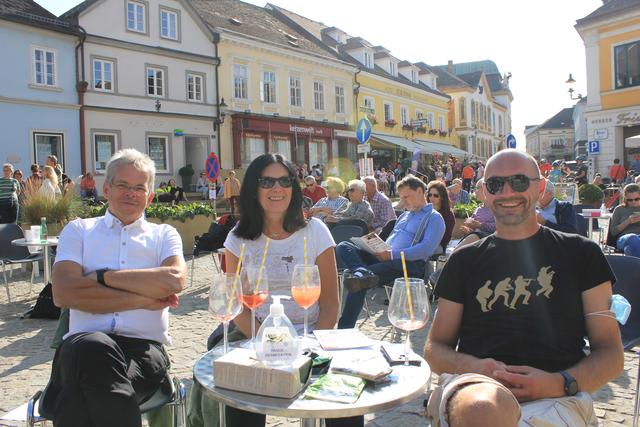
{"x":417,"y":233}
{"x":553,"y":213}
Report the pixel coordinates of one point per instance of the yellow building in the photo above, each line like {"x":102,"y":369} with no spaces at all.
{"x":611,"y":36}
{"x":408,"y":112}
{"x":283,"y":93}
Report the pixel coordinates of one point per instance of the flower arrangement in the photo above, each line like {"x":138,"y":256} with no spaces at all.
{"x":36,"y":204}
{"x":407,"y":127}
{"x":421,"y":129}
{"x":372,"y":118}
{"x":390,"y":123}
{"x":443,"y":133}
{"x":163,"y":211}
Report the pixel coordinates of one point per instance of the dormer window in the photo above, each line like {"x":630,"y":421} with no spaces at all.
{"x":368,"y":59}
{"x":414,"y":76}
{"x":393,"y":69}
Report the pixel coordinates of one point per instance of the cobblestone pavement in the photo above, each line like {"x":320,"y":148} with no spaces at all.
{"x":25,"y":356}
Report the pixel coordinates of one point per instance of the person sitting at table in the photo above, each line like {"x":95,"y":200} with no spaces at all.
{"x":554,"y":213}
{"x":457,"y":194}
{"x":334,"y":200}
{"x":271,"y":208}
{"x":437,"y":195}
{"x":312,"y":190}
{"x":625,"y":222}
{"x":481,"y":223}
{"x":357,"y":208}
{"x":380,"y":204}
{"x":417,"y":233}
{"x":118,"y":274}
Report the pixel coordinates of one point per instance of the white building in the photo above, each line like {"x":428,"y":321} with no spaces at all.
{"x":150,"y":72}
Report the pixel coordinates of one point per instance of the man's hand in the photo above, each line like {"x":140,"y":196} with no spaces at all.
{"x":160,"y":304}
{"x":384,"y":256}
{"x":528,"y":383}
{"x":465,"y":229}
{"x":330,"y":219}
{"x":472,"y":223}
{"x":488,"y":367}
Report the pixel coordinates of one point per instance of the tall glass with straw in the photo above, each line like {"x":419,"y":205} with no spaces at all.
{"x":305,"y":287}
{"x":255,"y":289}
{"x":408,"y":306}
{"x":225,"y":299}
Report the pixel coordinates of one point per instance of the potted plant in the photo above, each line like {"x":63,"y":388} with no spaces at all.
{"x":421,"y":129}
{"x":390,"y":123}
{"x":407,"y":127}
{"x":372,"y":119}
{"x":590,"y":195}
{"x":57,"y":210}
{"x":186,"y":172}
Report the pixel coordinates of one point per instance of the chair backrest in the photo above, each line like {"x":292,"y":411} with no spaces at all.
{"x":357,"y":222}
{"x":627,"y":271}
{"x":387,"y":229}
{"x":343,"y":232}
{"x":582,"y":224}
{"x":9,"y":232}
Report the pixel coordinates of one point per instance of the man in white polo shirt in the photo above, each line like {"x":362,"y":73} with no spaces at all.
{"x":118,"y":275}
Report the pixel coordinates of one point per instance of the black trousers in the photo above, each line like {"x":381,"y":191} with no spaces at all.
{"x":98,"y":379}
{"x":8,"y":211}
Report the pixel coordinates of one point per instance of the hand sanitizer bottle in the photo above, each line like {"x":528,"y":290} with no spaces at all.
{"x":276,"y":342}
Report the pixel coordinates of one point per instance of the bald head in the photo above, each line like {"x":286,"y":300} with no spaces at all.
{"x":510,"y":162}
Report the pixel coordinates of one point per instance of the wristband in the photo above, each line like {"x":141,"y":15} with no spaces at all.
{"x":100,"y":276}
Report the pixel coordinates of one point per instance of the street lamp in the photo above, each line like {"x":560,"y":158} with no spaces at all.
{"x":571,"y":81}
{"x":222,"y":114}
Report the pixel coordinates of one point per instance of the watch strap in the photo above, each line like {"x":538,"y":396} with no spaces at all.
{"x":570,"y":384}
{"x":100,"y":276}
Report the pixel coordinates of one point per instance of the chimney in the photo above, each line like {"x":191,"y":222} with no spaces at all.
{"x":450,"y":66}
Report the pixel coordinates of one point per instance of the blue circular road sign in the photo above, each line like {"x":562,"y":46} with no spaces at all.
{"x":363,"y":130}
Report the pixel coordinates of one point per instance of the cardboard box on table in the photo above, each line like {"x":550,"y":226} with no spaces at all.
{"x":239,"y":370}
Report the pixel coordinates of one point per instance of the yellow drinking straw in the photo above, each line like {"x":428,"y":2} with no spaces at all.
{"x":306,"y":278}
{"x":235,"y":278}
{"x":406,"y":283}
{"x":264,"y":258}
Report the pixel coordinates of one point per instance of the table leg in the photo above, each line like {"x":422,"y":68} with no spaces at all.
{"x":221,"y":410}
{"x":47,"y":273}
{"x":310,"y":422}
{"x":590,"y":228}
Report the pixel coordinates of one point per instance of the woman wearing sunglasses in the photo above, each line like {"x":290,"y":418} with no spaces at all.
{"x":270,"y":204}
{"x":625,"y":223}
{"x":438,"y":196}
{"x":357,"y":208}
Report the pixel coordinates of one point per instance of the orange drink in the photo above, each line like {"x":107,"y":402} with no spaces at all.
{"x":305,"y":297}
{"x":255,"y":300}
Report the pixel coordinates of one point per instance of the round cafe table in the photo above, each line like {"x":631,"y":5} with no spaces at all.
{"x":51,"y":241}
{"x":411,"y":381}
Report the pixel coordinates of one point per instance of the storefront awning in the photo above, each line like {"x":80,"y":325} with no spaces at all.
{"x":404,"y":143}
{"x":632,"y":142}
{"x":438,"y":147}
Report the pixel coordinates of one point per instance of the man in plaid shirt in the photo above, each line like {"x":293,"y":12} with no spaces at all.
{"x":381,"y":205}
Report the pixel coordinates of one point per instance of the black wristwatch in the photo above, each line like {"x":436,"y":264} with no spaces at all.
{"x":100,"y":276}
{"x":570,"y":384}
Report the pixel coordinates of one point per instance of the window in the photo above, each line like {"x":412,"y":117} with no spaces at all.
{"x":557,"y":144}
{"x":252,"y":147}
{"x":155,"y":81}
{"x":430,"y":123}
{"x":268,"y":87}
{"x":388,"y":112}
{"x":463,"y":111}
{"x":194,"y":87}
{"x":368,"y":102}
{"x":240,"y":76}
{"x":419,"y":114}
{"x":368,"y":59}
{"x":318,"y":95}
{"x":295,"y":91}
{"x":441,"y":124}
{"x":169,"y":24}
{"x":393,"y":69}
{"x":46,"y":144}
{"x":627,"y":59}
{"x":158,"y":149}
{"x":44,"y":67}
{"x":404,"y":115}
{"x":473,"y":112}
{"x":318,"y":151}
{"x":414,"y":76}
{"x":339,"y":99}
{"x":136,"y":17}
{"x":500,"y":131}
{"x":103,"y":75}
{"x":463,"y":143}
{"x":104,"y":147}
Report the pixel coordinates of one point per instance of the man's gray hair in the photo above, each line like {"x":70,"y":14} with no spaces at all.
{"x":359,"y":184}
{"x":370,"y":179}
{"x":8,"y":165}
{"x":133,"y":157}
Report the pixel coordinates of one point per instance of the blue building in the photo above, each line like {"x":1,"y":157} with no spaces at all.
{"x":39,"y":110}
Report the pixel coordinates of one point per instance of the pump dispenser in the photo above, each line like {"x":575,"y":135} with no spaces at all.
{"x":276,"y":342}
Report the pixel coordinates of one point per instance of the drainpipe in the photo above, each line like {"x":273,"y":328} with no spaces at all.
{"x":356,"y":92}
{"x":217,"y":124}
{"x":81,"y":88}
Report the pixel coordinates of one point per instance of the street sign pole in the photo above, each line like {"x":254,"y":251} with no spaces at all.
{"x":363,"y":133}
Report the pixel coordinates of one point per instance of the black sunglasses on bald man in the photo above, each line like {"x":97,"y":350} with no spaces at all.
{"x":519,"y":183}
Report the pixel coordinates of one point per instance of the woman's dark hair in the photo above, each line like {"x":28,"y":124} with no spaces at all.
{"x":444,"y":195}
{"x":251,"y":212}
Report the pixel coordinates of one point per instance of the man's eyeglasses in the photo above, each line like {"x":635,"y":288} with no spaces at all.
{"x":434,"y":195}
{"x":270,"y":182}
{"x":138,"y":190}
{"x":351,"y":190}
{"x":637,"y":199}
{"x":519,"y":183}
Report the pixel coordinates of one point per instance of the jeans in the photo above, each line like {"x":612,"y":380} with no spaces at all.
{"x":204,"y":190}
{"x":629,"y":244}
{"x":352,"y":257}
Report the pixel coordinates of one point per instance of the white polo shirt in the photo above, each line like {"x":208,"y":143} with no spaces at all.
{"x":104,"y":242}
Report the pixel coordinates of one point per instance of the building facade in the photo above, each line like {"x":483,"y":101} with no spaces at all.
{"x":553,"y":139}
{"x":285,"y":94}
{"x":149,"y":71}
{"x":39,"y":106}
{"x":611,"y":36}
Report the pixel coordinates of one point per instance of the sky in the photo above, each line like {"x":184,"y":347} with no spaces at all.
{"x":534,"y":40}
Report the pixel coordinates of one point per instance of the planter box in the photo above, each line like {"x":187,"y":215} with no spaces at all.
{"x":197,"y":225}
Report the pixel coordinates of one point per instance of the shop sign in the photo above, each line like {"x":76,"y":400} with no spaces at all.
{"x":628,"y":118}
{"x":601,"y":134}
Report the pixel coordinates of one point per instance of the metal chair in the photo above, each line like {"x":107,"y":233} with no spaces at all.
{"x":215,"y":255}
{"x":11,"y":254}
{"x":171,"y":393}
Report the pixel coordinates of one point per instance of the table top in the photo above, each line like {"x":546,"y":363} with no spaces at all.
{"x":410,"y":383}
{"x":51,"y":241}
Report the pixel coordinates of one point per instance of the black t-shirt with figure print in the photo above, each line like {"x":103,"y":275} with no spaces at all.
{"x":522,"y":298}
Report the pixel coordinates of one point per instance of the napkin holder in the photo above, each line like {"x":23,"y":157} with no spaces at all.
{"x":240,"y":371}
